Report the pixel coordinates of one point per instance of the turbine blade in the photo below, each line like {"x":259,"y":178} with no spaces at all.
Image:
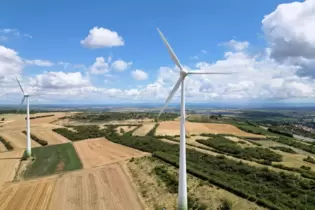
{"x":19,"y":84}
{"x":23,"y":99}
{"x":170,"y":50}
{"x":175,"y":88}
{"x":208,"y":72}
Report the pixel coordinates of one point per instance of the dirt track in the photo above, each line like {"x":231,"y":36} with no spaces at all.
{"x":98,"y":152}
{"x":172,"y":128}
{"x":9,"y":163}
{"x":102,"y":188}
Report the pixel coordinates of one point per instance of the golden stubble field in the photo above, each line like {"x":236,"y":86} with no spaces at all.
{"x":102,"y":188}
{"x":9,"y":164}
{"x":99,"y":151}
{"x":172,"y":128}
{"x":13,"y":126}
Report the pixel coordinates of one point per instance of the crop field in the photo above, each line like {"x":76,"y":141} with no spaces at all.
{"x":172,"y":128}
{"x":2,"y":148}
{"x":52,"y":159}
{"x":98,"y":152}
{"x":50,"y":136}
{"x":18,"y":139}
{"x":144,"y":129}
{"x":9,"y":163}
{"x":102,"y":188}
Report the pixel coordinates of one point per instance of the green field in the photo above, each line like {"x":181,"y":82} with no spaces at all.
{"x":53,"y":159}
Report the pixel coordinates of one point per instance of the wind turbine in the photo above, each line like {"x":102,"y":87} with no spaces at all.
{"x":182,"y":188}
{"x":28,"y":129}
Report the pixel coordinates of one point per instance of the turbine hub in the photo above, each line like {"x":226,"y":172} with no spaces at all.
{"x":183,"y":73}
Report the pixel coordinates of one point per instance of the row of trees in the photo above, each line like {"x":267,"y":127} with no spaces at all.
{"x":6,"y":144}
{"x":222,"y":144}
{"x":38,"y":140}
{"x":268,"y":188}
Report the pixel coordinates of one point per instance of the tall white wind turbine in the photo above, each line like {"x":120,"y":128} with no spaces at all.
{"x":28,"y":129}
{"x":182,"y":188}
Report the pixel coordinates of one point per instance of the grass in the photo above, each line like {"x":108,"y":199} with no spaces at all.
{"x":52,"y":159}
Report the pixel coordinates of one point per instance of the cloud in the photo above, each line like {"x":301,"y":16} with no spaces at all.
{"x":290,"y":31}
{"x":13,"y":32}
{"x":60,"y":80}
{"x":10,"y":62}
{"x":236,"y":45}
{"x":38,"y":62}
{"x":100,"y":66}
{"x":139,"y":74}
{"x":3,"y":38}
{"x":204,"y":51}
{"x":102,"y":37}
{"x":120,"y":65}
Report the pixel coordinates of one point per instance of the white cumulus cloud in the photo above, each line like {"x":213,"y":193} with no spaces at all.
{"x":120,"y":65}
{"x":100,"y":37}
{"x":139,"y":74}
{"x":100,"y":66}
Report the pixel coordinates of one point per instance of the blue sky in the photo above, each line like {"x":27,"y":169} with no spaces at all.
{"x":197,"y":31}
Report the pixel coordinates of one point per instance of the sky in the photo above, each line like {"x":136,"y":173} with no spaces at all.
{"x":110,"y":51}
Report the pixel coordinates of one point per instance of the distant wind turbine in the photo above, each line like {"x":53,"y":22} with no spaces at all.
{"x":28,"y":128}
{"x":182,"y":188}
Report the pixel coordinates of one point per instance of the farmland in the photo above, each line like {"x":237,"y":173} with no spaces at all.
{"x":52,"y":159}
{"x":98,"y":152}
{"x":91,"y":189}
{"x":228,"y":164}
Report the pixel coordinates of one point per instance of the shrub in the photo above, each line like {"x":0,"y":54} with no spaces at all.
{"x":35,"y":138}
{"x":6,"y":144}
{"x":309,"y":159}
{"x":277,"y":131}
{"x":250,"y":153}
{"x":284,"y":149}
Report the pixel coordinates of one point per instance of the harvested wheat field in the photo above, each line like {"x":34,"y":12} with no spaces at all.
{"x":2,"y":147}
{"x":144,"y":129}
{"x":50,"y":136}
{"x":172,"y":128}
{"x":9,"y":163}
{"x":18,"y":139}
{"x":101,"y":188}
{"x":98,"y":152}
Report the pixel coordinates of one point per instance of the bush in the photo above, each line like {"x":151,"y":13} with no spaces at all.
{"x":225,"y":205}
{"x":6,"y":144}
{"x":274,"y":190}
{"x":277,"y":131}
{"x":309,"y":159}
{"x":307,"y":168}
{"x":82,"y":132}
{"x":35,"y":138}
{"x":284,"y":149}
{"x":153,"y":130}
{"x":294,"y":143}
{"x":250,"y":153}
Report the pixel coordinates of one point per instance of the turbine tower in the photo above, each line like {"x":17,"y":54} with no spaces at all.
{"x":182,"y":187}
{"x":28,"y":129}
